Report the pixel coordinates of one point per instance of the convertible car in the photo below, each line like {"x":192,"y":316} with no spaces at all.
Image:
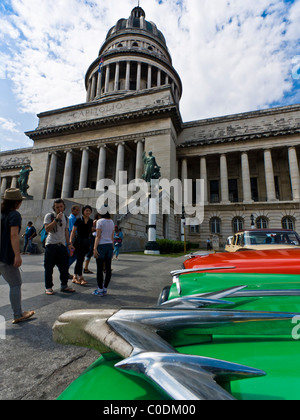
{"x":222,"y":336}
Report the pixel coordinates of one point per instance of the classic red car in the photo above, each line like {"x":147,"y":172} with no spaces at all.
{"x":280,"y":261}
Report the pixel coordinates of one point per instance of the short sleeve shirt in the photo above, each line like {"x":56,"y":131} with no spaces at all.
{"x":58,"y":234}
{"x":107,"y":227}
{"x":8,"y":220}
{"x":84,"y":230}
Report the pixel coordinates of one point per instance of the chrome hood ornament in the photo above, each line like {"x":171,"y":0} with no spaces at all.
{"x":142,"y":338}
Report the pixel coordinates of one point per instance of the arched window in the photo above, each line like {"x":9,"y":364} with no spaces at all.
{"x":215,"y":225}
{"x":237,"y":224}
{"x":262,"y":223}
{"x":288,"y":223}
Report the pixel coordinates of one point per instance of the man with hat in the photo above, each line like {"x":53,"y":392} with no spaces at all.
{"x":10,"y":256}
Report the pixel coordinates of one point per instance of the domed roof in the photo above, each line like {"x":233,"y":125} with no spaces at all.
{"x":136,"y":21}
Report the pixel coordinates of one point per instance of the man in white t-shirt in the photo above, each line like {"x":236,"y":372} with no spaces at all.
{"x":56,"y":254}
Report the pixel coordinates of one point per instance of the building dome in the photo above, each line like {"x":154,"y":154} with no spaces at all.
{"x":133,"y":57}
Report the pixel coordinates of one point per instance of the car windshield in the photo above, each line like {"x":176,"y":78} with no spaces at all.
{"x":273,"y":238}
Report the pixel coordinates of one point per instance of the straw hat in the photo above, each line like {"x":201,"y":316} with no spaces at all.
{"x":13,"y":194}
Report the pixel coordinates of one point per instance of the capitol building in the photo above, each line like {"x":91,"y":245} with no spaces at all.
{"x":249,"y":162}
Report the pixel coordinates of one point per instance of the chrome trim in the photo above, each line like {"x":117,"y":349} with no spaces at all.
{"x":186,"y":377}
{"x":201,"y":300}
{"x":196,"y":270}
{"x":176,"y":273}
{"x":138,"y":334}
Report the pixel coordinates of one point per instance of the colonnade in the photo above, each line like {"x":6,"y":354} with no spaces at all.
{"x":5,"y":182}
{"x":245,"y":176}
{"x":126,"y":76}
{"x":84,"y":167}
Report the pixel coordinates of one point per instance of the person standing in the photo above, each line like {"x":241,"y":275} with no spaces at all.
{"x":89,"y":255}
{"x":82,"y":230}
{"x":28,"y":236}
{"x":56,"y":254}
{"x":118,"y":239}
{"x":103,"y":251}
{"x":75,"y":211}
{"x":10,"y":257}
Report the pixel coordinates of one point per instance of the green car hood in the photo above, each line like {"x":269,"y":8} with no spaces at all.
{"x":261,"y":348}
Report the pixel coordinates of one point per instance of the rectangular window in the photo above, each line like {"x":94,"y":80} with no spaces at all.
{"x":214,"y":192}
{"x":233,"y":190}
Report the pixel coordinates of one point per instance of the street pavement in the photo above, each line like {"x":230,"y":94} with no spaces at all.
{"x":32,"y":365}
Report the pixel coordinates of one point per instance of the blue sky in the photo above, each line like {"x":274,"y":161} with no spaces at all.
{"x":232,"y":55}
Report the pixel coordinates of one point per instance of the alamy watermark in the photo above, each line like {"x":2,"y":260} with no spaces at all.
{"x":2,"y":328}
{"x":296,"y":329}
{"x":174,"y":196}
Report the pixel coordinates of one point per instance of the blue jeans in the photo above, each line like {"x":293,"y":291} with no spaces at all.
{"x":12,"y":276}
{"x":105,"y":255}
{"x":28,"y":242}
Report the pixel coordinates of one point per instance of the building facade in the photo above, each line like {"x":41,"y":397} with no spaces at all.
{"x":249,"y":162}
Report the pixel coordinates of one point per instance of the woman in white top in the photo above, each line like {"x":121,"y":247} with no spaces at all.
{"x":103,"y":252}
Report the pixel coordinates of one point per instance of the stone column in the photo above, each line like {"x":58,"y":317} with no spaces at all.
{"x":203,"y":175}
{"x":158,"y":77}
{"x":138,"y":76}
{"x":14,"y":182}
{"x":139,"y":164}
{"x":101,"y":165}
{"x":120,"y":160}
{"x":224,"y":179}
{"x":107,"y":76}
{"x":117,"y":77}
{"x":127,"y":80}
{"x":93,"y":87}
{"x":88,"y":92}
{"x":294,"y":173}
{"x":67,"y":178}
{"x":269,"y":176}
{"x":3,"y":185}
{"x":149,"y":77}
{"x":247,"y":196}
{"x":99,"y":82}
{"x":84,"y":169}
{"x":52,"y":176}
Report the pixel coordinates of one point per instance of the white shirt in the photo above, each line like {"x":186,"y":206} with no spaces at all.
{"x":107,"y":227}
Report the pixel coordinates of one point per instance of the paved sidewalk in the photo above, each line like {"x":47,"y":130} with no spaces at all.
{"x":32,"y":366}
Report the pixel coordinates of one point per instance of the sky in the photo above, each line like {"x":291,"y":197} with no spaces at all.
{"x":232,"y":56}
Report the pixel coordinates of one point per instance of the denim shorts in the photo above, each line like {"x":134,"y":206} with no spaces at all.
{"x":105,"y":251}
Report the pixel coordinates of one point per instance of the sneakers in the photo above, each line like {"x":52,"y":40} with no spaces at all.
{"x":100,"y":292}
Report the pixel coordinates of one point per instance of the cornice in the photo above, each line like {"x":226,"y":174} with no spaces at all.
{"x":98,"y":142}
{"x":239,"y":137}
{"x":120,"y":119}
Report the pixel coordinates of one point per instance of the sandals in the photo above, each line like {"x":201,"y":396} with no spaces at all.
{"x":76,"y":280}
{"x":79,"y":280}
{"x":25,"y":316}
{"x":82,"y":281}
{"x":87,"y":271}
{"x":67,"y":290}
{"x":49,"y":292}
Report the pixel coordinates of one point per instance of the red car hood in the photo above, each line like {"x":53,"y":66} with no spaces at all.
{"x":268,"y":261}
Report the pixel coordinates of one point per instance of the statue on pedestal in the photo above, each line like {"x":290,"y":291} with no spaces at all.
{"x":152,"y":170}
{"x":23,"y":179}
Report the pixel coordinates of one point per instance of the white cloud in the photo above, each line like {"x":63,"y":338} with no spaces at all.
{"x":9,"y":125}
{"x":232,"y":55}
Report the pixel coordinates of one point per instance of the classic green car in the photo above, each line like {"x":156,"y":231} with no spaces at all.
{"x":200,"y":344}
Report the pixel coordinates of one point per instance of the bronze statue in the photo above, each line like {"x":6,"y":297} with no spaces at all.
{"x":23,"y":179}
{"x":151,"y":169}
